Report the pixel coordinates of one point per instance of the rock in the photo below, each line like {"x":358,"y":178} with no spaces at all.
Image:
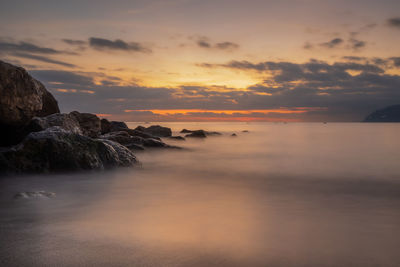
{"x":155,"y":130}
{"x":186,"y":131}
{"x":58,"y":150}
{"x":180,"y":138}
{"x":388,"y":114}
{"x":90,"y":124}
{"x":234,"y":135}
{"x":245,"y":131}
{"x":197,"y":134}
{"x":119,"y":137}
{"x":105,"y":126}
{"x":117,"y":126}
{"x":197,"y":131}
{"x":34,"y":194}
{"x":65,"y":121}
{"x":22,"y":98}
{"x":151,"y":142}
{"x":140,"y":134}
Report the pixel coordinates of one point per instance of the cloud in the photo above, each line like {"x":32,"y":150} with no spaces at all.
{"x":29,"y":48}
{"x":117,"y":45}
{"x":332,"y":43}
{"x":339,"y":91}
{"x":203,"y":42}
{"x":43,"y":59}
{"x":396,"y":61}
{"x":74,"y":42}
{"x":394,"y":22}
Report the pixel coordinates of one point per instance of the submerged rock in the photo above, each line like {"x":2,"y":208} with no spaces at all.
{"x":155,"y":130}
{"x":58,"y":150}
{"x":180,"y":138}
{"x":234,"y":135}
{"x":197,"y":134}
{"x":34,"y":194}
{"x":21,"y":98}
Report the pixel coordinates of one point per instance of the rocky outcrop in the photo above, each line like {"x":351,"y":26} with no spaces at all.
{"x":388,"y":114}
{"x":155,"y":130}
{"x":67,"y":122}
{"x":58,"y":150}
{"x":89,"y":123}
{"x":22,"y":98}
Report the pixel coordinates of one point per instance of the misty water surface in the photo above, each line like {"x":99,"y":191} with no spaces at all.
{"x":297,"y":194}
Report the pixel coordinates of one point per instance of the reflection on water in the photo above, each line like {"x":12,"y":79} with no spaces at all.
{"x":280,"y":195}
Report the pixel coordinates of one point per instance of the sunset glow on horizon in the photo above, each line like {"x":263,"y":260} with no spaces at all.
{"x":339,"y":59}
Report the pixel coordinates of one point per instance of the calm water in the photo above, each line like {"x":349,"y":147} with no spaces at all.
{"x":281,"y":195}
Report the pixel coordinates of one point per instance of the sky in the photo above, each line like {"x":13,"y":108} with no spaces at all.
{"x":209,"y":60}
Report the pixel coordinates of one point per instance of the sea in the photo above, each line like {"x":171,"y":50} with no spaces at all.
{"x":276,"y":194}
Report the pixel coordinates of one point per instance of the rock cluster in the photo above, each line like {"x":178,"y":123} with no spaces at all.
{"x":37,"y":138}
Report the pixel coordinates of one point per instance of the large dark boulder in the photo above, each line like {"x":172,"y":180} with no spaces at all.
{"x":388,"y":114}
{"x":58,"y":150}
{"x":156,"y":130}
{"x":21,"y":98}
{"x":65,"y":121}
{"x":90,"y":124}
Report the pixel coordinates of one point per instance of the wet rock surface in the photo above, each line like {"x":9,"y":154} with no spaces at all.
{"x":22,"y":98}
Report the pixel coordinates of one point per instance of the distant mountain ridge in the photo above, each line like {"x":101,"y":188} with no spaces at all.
{"x":388,"y":114}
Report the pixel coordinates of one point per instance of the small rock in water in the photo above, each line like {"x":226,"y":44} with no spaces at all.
{"x":233,"y":134}
{"x":245,"y":131}
{"x":34,"y":194}
{"x":181,"y":138}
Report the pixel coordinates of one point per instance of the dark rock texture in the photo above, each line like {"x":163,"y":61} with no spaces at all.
{"x":90,"y":124}
{"x":388,"y":114}
{"x":58,"y":150}
{"x":66,"y":121}
{"x":197,"y":134}
{"x":155,"y":130}
{"x":22,"y":98}
{"x":179,"y":138}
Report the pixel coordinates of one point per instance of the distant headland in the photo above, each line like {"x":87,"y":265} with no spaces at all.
{"x":387,"y":114}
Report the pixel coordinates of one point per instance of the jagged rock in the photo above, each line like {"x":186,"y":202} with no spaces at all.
{"x":34,"y":194}
{"x":156,"y":130}
{"x":66,"y":121}
{"x":21,"y":98}
{"x":58,"y":150}
{"x":388,"y":114}
{"x":197,"y":134}
{"x":119,"y":137}
{"x":90,"y":124}
{"x":180,"y":138}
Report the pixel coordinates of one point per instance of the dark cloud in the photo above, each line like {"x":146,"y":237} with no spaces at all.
{"x":333,"y":43}
{"x":43,"y":59}
{"x":340,"y":91}
{"x":226,"y":45}
{"x":354,"y":58}
{"x":357,"y":44}
{"x":203,"y":42}
{"x":74,"y":42}
{"x":118,"y":45}
{"x":25,"y":47}
{"x":396,"y":61}
{"x":394,"y":22}
{"x":308,"y":46}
